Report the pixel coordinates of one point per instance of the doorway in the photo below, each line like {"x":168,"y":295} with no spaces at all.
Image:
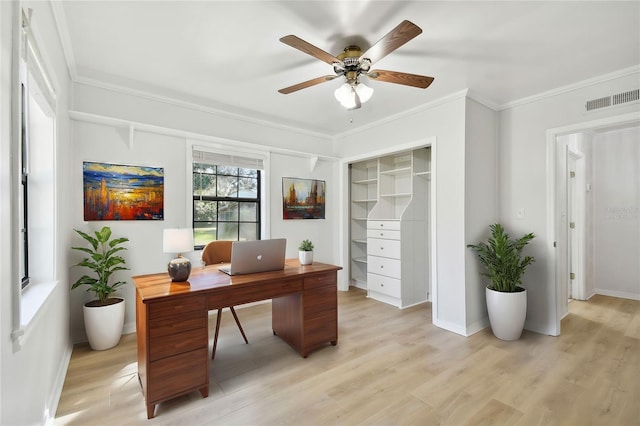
{"x":569,"y":248}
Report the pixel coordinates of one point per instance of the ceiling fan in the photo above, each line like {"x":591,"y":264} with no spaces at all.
{"x":353,"y":63}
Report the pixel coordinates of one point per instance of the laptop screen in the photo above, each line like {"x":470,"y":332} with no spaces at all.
{"x":248,"y":257}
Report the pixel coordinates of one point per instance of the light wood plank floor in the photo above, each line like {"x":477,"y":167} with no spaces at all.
{"x":390,"y":366}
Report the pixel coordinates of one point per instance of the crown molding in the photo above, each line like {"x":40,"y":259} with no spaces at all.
{"x":197,"y":107}
{"x":65,"y":39}
{"x":571,"y":87}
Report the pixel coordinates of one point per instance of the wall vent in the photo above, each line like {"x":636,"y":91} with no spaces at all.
{"x":607,"y":101}
{"x":630,"y":96}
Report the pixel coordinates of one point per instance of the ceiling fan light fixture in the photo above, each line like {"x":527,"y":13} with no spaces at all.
{"x":346,"y":96}
{"x":364,"y":92}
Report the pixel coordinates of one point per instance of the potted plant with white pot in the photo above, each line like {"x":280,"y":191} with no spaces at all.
{"x":506,"y":299}
{"x":305,"y":252}
{"x":103,"y":316}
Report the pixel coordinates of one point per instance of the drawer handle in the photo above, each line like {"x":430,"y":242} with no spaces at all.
{"x":381,"y":285}
{"x":382,"y":234}
{"x":382,"y":225}
{"x":381,"y":248}
{"x":381,"y":266}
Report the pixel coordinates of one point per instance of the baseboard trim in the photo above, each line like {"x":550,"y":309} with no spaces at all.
{"x":56,"y":392}
{"x":614,"y":293}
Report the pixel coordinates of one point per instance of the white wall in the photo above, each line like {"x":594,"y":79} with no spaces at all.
{"x":616,"y":227}
{"x":481,"y":203}
{"x":446,"y":121}
{"x":523,"y":177}
{"x":110,"y":143}
{"x":33,"y":375}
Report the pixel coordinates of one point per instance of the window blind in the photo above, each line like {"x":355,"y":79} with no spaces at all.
{"x":232,"y":160}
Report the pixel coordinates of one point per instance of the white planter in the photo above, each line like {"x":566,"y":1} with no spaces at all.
{"x":104,"y":324}
{"x":507,"y":312}
{"x":306,"y":257}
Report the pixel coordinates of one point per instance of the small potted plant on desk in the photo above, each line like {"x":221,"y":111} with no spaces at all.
{"x":505,"y":265}
{"x":104,"y":316}
{"x":305,"y":253}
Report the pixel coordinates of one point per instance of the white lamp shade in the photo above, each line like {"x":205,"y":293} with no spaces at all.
{"x":345,"y":95}
{"x":178,"y":240}
{"x":364,"y":92}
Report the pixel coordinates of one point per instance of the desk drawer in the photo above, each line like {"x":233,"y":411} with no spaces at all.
{"x":384,"y":266}
{"x":328,"y":279}
{"x":320,"y":299}
{"x":384,"y":248}
{"x":252,"y":293}
{"x":178,"y":374}
{"x":321,"y":328}
{"x":174,"y":344}
{"x":176,"y":306}
{"x":383,"y":233}
{"x":178,"y":324}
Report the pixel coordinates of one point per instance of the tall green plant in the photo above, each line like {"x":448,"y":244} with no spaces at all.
{"x":103,"y":261}
{"x":502,"y":257}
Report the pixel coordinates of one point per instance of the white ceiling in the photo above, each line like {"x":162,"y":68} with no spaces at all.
{"x":226,"y":54}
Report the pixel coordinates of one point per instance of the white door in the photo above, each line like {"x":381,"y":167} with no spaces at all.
{"x":575,"y":224}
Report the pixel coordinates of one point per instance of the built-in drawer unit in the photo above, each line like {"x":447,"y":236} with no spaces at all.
{"x":385,"y":285}
{"x":384,"y":266}
{"x":383,"y":233}
{"x":385,"y":248}
{"x":392,"y":225}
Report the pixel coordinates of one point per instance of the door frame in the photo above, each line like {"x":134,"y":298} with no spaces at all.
{"x":560,"y":303}
{"x":576,"y":201}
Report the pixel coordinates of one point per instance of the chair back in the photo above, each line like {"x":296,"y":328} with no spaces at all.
{"x":217,"y":252}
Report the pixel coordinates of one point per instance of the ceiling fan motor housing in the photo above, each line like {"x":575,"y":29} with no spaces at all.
{"x":352,"y":63}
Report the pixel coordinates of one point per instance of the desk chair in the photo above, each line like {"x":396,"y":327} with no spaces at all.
{"x":220,"y":252}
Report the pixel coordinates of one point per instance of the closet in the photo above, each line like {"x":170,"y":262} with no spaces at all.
{"x":389,"y":249}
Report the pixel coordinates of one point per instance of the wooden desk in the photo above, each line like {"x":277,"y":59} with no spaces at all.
{"x":172,"y":320}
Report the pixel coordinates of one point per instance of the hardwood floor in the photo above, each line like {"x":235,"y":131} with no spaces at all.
{"x":390,"y":366}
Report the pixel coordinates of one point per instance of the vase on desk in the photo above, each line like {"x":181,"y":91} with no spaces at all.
{"x":305,"y":257}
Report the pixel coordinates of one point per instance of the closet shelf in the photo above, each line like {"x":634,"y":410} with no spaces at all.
{"x":395,"y":172}
{"x":365,"y":181}
{"x":397,"y":195}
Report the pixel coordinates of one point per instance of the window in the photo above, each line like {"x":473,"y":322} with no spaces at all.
{"x":226,"y":198}
{"x":33,"y":206}
{"x":23,"y":193}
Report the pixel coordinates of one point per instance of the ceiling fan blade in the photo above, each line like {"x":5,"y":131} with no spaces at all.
{"x":407,"y":79}
{"x":310,"y":49}
{"x":306,"y":84}
{"x":398,"y":36}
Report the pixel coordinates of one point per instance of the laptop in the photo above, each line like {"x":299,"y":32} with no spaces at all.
{"x":248,"y":257}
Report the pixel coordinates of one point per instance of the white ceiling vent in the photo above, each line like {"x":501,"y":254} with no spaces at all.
{"x":607,"y":101}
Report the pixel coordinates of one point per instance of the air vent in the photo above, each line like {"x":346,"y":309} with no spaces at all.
{"x":598,"y":103}
{"x":630,"y":96}
{"x":607,"y":101}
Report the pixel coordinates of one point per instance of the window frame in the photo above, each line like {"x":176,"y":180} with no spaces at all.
{"x":257,"y":200}
{"x":205,"y":149}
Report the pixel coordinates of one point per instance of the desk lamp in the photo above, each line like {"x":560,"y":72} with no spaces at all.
{"x":178,"y":241}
